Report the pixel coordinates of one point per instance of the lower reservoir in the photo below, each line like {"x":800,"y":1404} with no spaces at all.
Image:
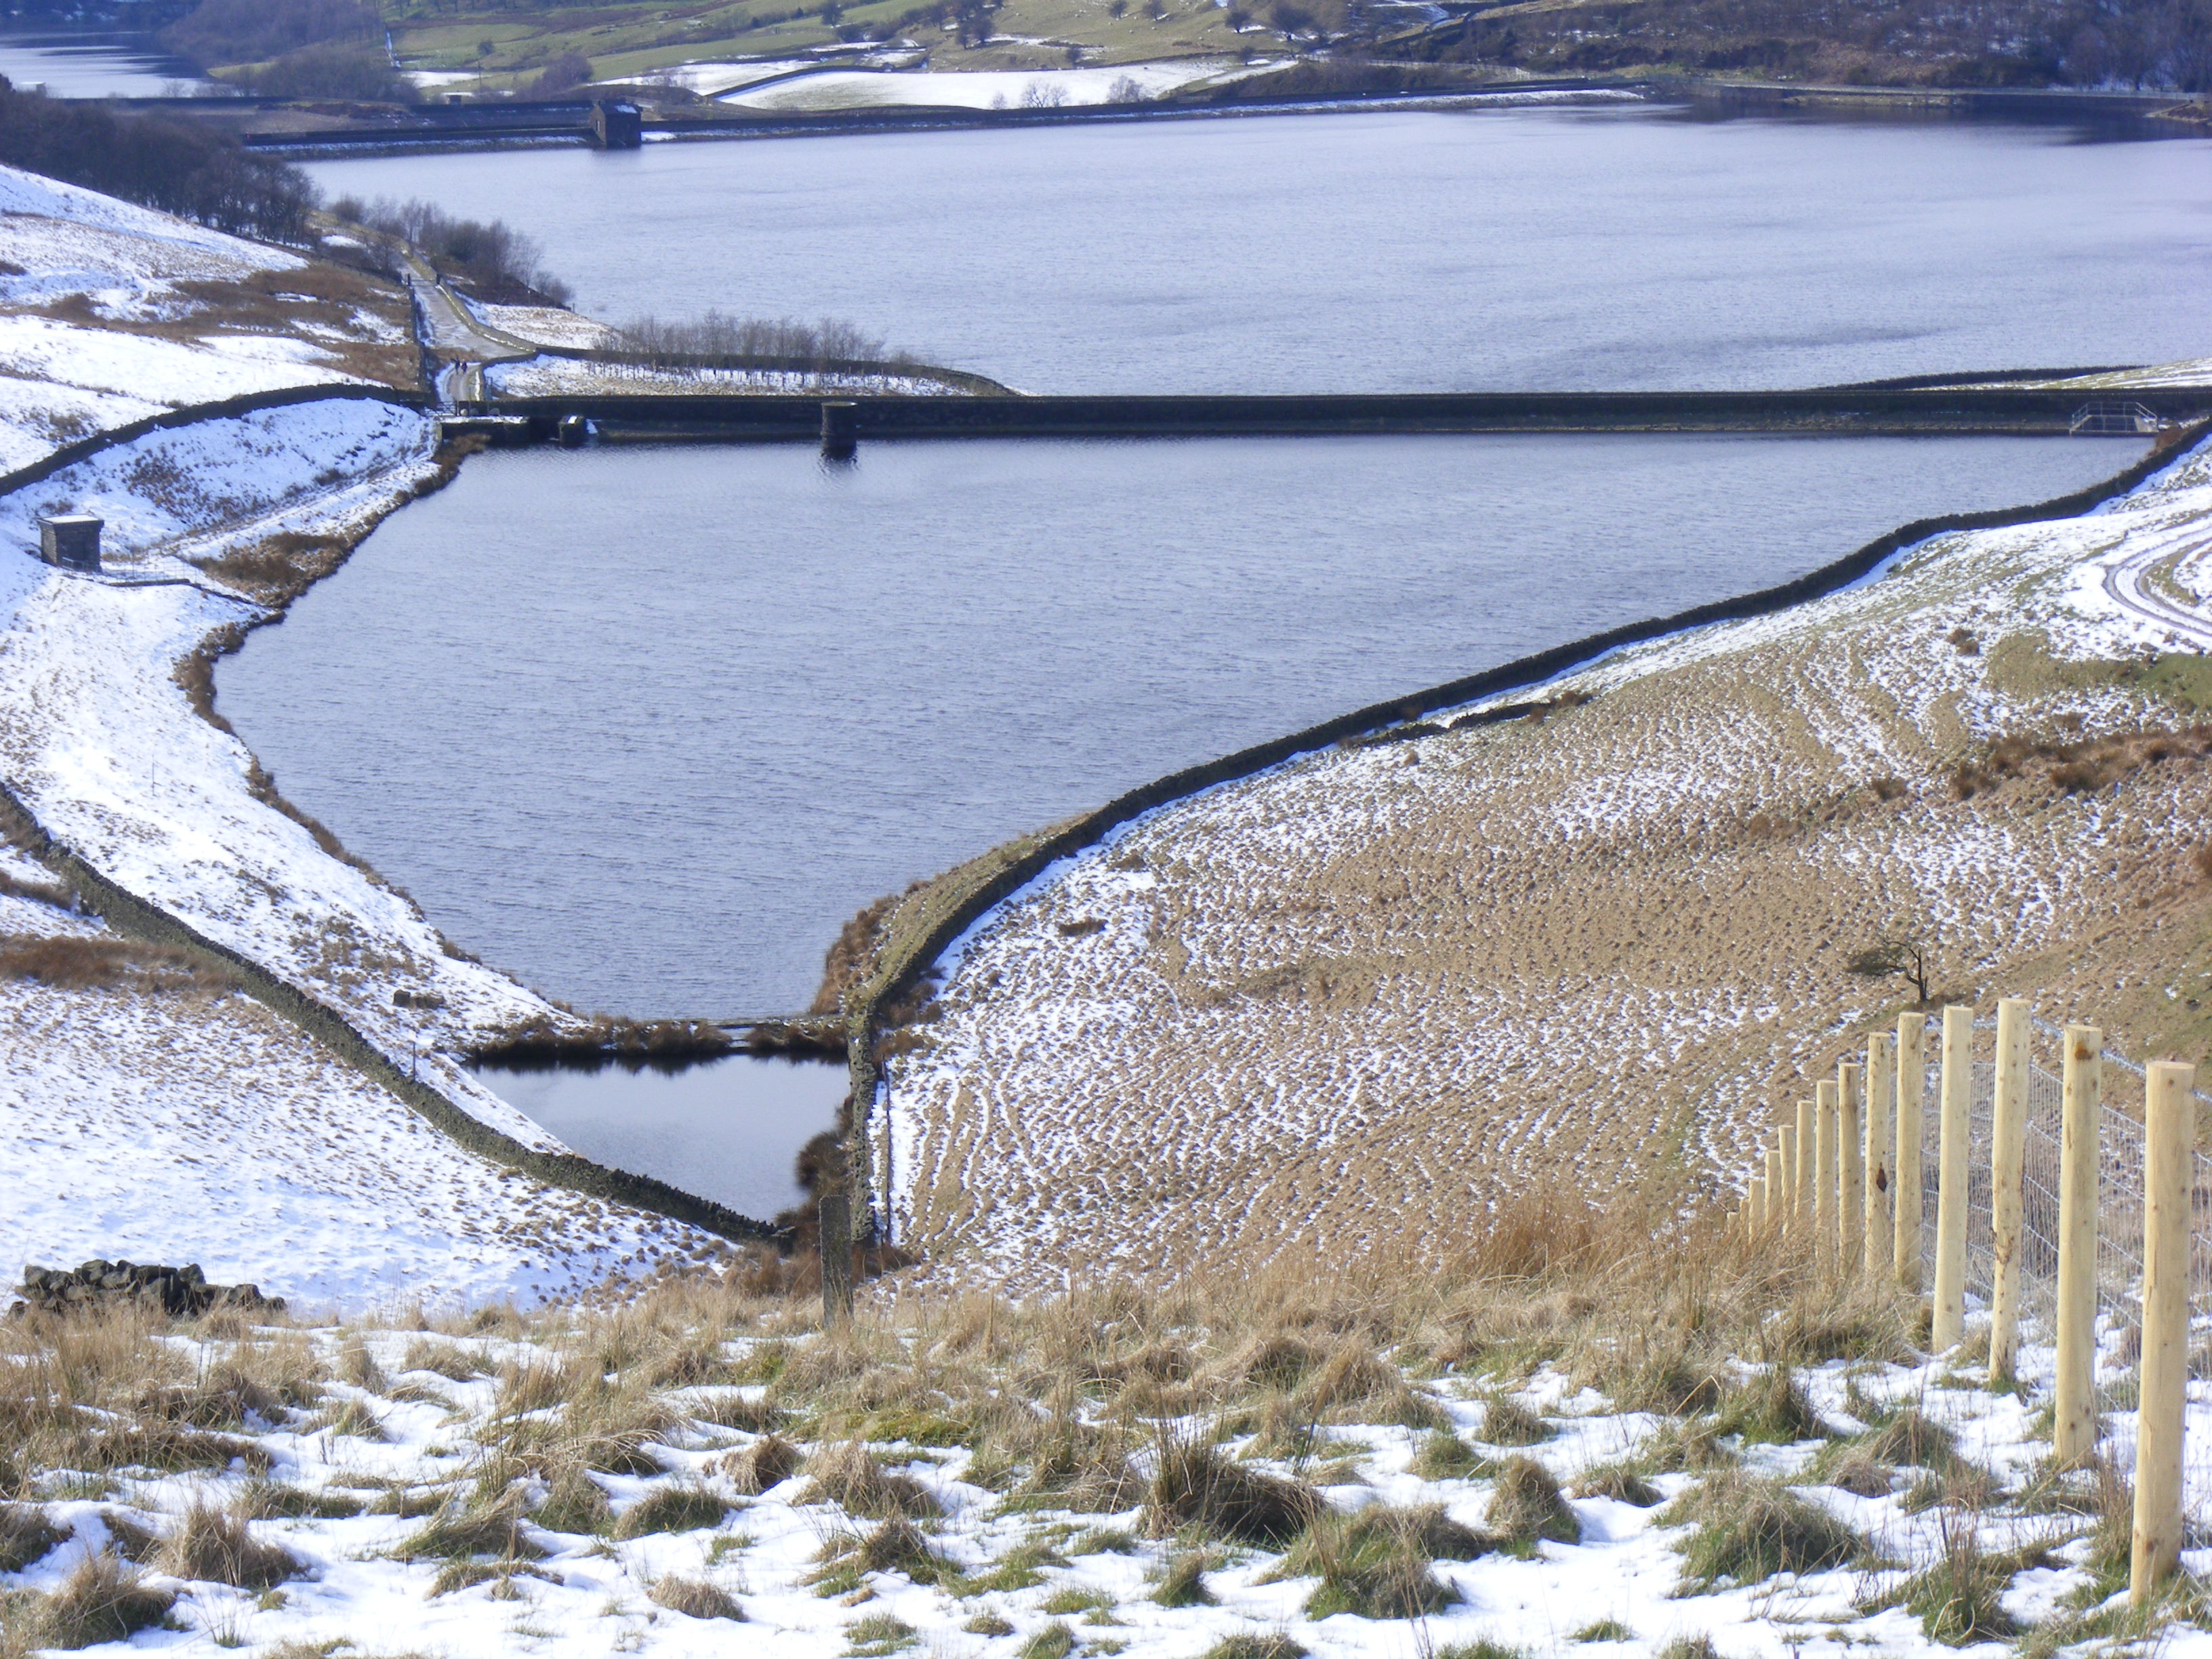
{"x":729,"y":1129}
{"x":645,"y":726}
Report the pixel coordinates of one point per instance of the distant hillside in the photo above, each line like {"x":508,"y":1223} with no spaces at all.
{"x":2137,"y":44}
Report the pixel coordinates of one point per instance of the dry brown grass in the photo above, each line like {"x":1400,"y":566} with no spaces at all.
{"x":1194,"y":1487}
{"x":104,"y":1599}
{"x":104,"y":962}
{"x":215,"y":1543}
{"x":848,"y":1475}
{"x":1448,"y":961}
{"x":95,"y":1391}
{"x":26,"y":1534}
{"x":695,"y":1598}
{"x":768,"y":1461}
{"x":317,"y":303}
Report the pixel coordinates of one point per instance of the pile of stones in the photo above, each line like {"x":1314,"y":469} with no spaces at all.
{"x":98,"y":1283}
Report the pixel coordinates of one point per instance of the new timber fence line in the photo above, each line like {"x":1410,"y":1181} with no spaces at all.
{"x":2052,"y":1200}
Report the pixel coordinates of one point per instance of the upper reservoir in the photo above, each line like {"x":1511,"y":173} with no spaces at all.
{"x":646,"y":726}
{"x":94,"y":62}
{"x":1404,"y":251}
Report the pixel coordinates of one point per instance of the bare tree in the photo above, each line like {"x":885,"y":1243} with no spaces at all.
{"x":1894,"y":954}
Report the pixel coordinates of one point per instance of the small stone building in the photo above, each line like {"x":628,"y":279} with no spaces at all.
{"x":617,"y":124}
{"x":70,"y":540}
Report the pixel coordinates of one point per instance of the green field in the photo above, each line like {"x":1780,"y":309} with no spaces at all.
{"x":621,"y":42}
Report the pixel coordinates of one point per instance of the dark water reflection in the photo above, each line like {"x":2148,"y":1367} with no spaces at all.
{"x":729,"y":1130}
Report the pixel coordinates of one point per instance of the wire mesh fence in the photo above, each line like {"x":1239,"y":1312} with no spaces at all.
{"x":2119,"y":1181}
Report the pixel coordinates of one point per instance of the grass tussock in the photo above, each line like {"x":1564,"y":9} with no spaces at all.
{"x":1956,"y":1599}
{"x":1748,"y":1530}
{"x":216,"y":1545}
{"x":1183,"y":1582}
{"x":460,"y":1534}
{"x":767,"y":1463}
{"x":25,"y":1536}
{"x":696,"y":1598}
{"x":1507,"y":1422}
{"x":1442,"y":1455}
{"x":1377,"y":1564}
{"x":1267,"y":1644}
{"x":104,"y":1599}
{"x":848,"y":1475}
{"x":1771,"y":1409}
{"x":670,"y":1509}
{"x":1526,"y":1505}
{"x":1194,"y":1486}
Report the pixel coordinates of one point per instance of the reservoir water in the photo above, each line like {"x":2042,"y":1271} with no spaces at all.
{"x":645,"y":726}
{"x":729,"y":1130}
{"x":94,"y":62}
{"x":1503,"y":248}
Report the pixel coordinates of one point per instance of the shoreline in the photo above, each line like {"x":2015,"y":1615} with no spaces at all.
{"x":2154,"y":115}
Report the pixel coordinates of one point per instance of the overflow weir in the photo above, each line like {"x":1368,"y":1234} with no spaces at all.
{"x":1875,"y":410}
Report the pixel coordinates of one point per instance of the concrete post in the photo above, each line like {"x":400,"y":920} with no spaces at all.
{"x":835,"y":1214}
{"x":1911,"y":1082}
{"x":1824,"y":1174}
{"x":2170,"y":1131}
{"x":1881,"y":1156}
{"x":1948,"y":1322}
{"x":2074,"y":1436}
{"x":1850,"y":1174}
{"x":2008,"y":1167}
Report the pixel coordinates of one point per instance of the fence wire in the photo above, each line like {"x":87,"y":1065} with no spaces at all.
{"x":2119,"y":1184}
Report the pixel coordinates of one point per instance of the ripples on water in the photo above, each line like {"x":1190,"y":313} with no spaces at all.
{"x":646,"y":726}
{"x":1386,"y":251}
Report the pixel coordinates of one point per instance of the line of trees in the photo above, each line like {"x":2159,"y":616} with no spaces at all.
{"x":183,"y":167}
{"x":488,"y":257}
{"x":678,"y":344}
{"x":293,"y":48}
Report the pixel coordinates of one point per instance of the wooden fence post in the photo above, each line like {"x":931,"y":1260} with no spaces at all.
{"x":1947,"y":1322}
{"x":2074,"y":1435}
{"x":1881,"y":1156}
{"x":1808,"y":1145}
{"x":834,"y":1214}
{"x":1777,"y":1184}
{"x":2170,"y":1131}
{"x":1850,"y":1174}
{"x":1825,"y":1236}
{"x":1754,"y":1207}
{"x":1790,"y":1200}
{"x":2008,"y":1160}
{"x":1911,"y":1082}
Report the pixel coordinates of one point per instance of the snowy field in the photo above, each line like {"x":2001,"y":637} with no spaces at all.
{"x":111,"y":313}
{"x":1346,"y":999}
{"x":844,"y":88}
{"x":474,"y":1494}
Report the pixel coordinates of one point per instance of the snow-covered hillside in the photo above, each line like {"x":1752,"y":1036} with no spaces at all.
{"x":110,"y":313}
{"x":147,"y":1113}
